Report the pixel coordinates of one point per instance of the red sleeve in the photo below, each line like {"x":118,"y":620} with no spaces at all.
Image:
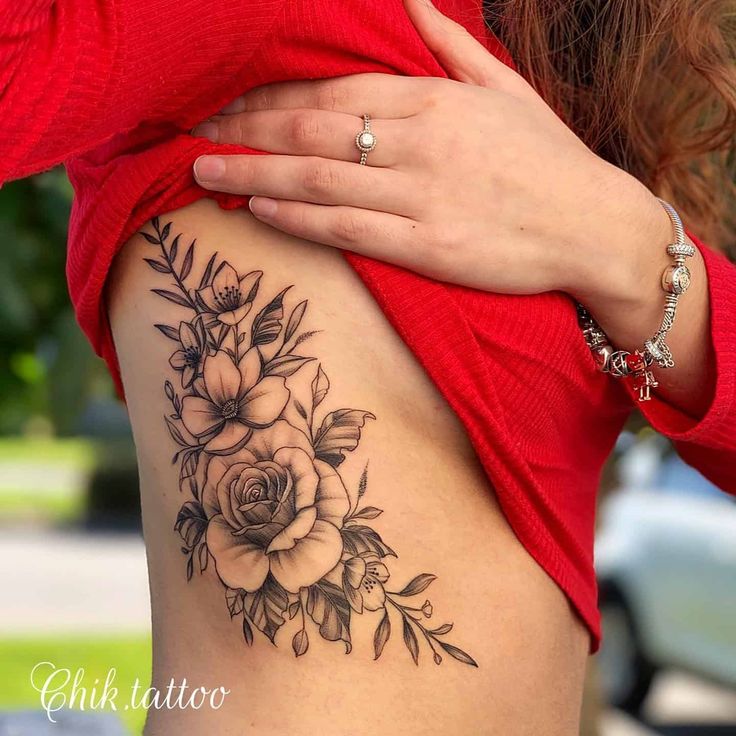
{"x":73,"y":73}
{"x":708,"y":443}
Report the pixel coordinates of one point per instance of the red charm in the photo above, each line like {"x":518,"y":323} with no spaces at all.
{"x":643,"y":381}
{"x":635,"y":362}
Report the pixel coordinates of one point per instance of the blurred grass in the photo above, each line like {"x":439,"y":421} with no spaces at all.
{"x":130,"y":656}
{"x":25,"y":505}
{"x":68,"y":451}
{"x":65,"y":462}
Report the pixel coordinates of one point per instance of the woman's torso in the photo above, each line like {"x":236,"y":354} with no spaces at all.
{"x":440,"y":516}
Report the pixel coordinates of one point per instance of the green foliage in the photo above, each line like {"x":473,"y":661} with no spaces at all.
{"x":47,"y":369}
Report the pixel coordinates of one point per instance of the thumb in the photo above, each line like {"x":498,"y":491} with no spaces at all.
{"x":463,"y":58}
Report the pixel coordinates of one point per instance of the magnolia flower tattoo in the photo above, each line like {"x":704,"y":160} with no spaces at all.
{"x":259,"y":463}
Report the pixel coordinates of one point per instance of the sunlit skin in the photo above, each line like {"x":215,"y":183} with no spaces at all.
{"x":524,"y":207}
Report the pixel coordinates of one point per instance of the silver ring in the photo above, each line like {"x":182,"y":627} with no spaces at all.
{"x":365,"y":141}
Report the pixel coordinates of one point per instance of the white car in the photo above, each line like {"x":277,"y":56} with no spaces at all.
{"x":666,"y":566}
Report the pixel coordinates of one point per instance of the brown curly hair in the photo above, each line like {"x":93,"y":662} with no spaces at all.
{"x":649,"y":85}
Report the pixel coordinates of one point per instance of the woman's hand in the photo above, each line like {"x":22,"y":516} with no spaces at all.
{"x":475,"y":181}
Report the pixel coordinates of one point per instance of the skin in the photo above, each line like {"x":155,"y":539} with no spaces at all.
{"x":440,"y":513}
{"x":526,"y":207}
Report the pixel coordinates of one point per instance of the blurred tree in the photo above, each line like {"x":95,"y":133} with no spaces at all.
{"x":47,"y":370}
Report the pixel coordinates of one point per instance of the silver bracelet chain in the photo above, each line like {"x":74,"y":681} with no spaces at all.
{"x":637,"y":365}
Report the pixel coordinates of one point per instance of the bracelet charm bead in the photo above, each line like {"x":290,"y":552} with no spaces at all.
{"x":675,"y":281}
{"x":681,"y":249}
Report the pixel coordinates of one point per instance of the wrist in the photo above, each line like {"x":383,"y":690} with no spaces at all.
{"x":620,"y":283}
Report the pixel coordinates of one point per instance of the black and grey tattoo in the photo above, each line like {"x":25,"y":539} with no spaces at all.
{"x":267,"y":503}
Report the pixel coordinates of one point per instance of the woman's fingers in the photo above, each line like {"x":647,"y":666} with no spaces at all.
{"x":305,"y":132}
{"x":309,"y":179}
{"x":462,"y":56}
{"x":379,"y":235}
{"x":378,"y":95}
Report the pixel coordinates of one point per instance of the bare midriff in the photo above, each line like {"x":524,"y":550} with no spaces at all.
{"x":440,"y":516}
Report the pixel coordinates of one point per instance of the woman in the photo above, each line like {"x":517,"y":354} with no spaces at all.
{"x":328,"y":498}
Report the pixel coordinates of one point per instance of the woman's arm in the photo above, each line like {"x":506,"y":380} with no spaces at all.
{"x":542,"y":212}
{"x":76,"y":72}
{"x":539,"y":211}
{"x":532,"y":208}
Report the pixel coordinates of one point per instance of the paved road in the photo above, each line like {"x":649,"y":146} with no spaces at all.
{"x":98,"y":583}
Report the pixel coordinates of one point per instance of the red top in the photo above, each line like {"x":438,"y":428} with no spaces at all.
{"x":111,"y":87}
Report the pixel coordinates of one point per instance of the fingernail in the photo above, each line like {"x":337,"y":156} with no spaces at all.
{"x":237,"y":105}
{"x":207,"y":130}
{"x":263,"y":207}
{"x":209,"y":168}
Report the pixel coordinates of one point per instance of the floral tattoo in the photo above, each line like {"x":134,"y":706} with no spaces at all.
{"x":266,"y":502}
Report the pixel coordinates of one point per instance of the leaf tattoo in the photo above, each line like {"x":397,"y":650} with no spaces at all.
{"x":266,"y":505}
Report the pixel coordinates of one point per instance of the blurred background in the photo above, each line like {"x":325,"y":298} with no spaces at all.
{"x":69,"y":515}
